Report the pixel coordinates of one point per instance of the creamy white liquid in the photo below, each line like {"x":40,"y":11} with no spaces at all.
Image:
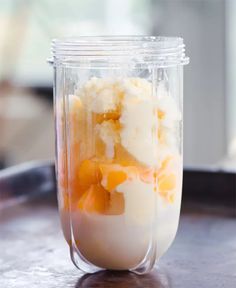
{"x":117,"y":242}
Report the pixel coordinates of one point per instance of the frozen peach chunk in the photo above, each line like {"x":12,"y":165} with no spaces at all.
{"x":160,"y":114}
{"x":88,"y":174}
{"x":111,"y":115}
{"x":166,"y":162}
{"x":112,"y":177}
{"x":167,"y":182}
{"x":95,"y":200}
{"x":69,"y":182}
{"x":167,"y":179}
{"x":165,"y":165}
{"x":115,"y":178}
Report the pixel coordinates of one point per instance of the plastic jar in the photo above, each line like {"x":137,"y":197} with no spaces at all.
{"x":118,"y":108}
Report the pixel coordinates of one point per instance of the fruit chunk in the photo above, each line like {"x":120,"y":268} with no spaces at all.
{"x":88,"y":174}
{"x":95,"y":200}
{"x":111,"y":115}
{"x":166,"y":162}
{"x":69,"y":182}
{"x":167,"y":179}
{"x":112,"y":176}
{"x":167,"y":182}
{"x":115,"y":178}
{"x":160,"y":114}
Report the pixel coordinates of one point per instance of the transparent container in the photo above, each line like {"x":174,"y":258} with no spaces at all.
{"x":118,"y":108}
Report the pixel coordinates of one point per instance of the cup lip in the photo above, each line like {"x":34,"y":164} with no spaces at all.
{"x":152,"y":50}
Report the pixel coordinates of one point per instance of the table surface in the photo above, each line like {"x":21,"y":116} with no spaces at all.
{"x":33,"y":253}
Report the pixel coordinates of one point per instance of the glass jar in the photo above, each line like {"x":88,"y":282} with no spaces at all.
{"x":118,"y":108}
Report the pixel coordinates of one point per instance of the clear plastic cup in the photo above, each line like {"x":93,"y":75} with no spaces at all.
{"x":118,"y":110}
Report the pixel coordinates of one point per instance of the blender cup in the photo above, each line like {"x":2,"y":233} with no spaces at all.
{"x":118,"y":111}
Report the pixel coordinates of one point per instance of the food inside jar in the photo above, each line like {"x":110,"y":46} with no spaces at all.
{"x":120,"y":171}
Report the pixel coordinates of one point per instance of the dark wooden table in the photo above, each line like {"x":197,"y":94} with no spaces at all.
{"x":33,"y":253}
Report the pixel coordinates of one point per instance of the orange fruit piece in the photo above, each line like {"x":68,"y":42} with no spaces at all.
{"x":88,"y":174}
{"x":160,"y":114}
{"x":166,"y":162}
{"x":95,"y":200}
{"x":112,"y":176}
{"x":111,"y":115}
{"x":167,"y":182}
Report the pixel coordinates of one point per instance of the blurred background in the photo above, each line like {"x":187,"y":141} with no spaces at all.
{"x":209,"y":31}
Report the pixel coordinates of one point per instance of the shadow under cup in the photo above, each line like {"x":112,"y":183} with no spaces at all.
{"x":108,"y":279}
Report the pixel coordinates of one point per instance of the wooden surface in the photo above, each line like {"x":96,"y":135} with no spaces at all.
{"x":33,"y":253}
